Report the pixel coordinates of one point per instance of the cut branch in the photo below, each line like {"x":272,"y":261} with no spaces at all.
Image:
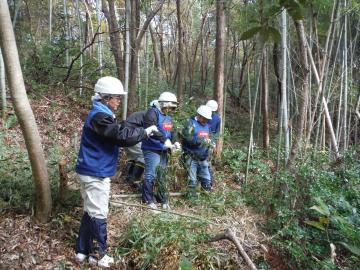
{"x":228,"y":234}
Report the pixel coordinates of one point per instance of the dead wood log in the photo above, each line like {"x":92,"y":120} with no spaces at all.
{"x":229,"y":234}
{"x":63,"y":180}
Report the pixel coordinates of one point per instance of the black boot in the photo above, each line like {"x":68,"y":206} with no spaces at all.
{"x":128,"y":170}
{"x":136,"y":174}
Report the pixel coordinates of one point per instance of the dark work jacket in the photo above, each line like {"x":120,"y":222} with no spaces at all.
{"x":100,"y":141}
{"x":194,"y":135}
{"x":214,"y":125}
{"x":135,"y":119}
{"x":164,"y":124}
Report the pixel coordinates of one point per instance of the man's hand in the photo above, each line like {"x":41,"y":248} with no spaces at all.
{"x":150,"y":130}
{"x":177,"y":146}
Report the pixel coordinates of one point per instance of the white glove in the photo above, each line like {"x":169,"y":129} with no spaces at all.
{"x":168,"y":144}
{"x":150,"y":130}
{"x":177,"y":145}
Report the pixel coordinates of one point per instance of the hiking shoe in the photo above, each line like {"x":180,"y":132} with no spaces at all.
{"x":105,"y":261}
{"x":80,"y":257}
{"x":92,"y":261}
{"x":153,"y":208}
{"x":165,"y":206}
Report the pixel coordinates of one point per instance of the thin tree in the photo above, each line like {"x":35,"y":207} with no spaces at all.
{"x":136,"y":37}
{"x":284,"y":111}
{"x":219,"y":68}
{"x":127,"y":55}
{"x":115,"y":40}
{"x":303,"y":94}
{"x":180,"y":54}
{"x":2,"y":88}
{"x":25,"y":115}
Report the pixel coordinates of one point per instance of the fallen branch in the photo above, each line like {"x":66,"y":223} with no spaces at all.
{"x":138,"y":195}
{"x":120,"y":204}
{"x":228,"y":234}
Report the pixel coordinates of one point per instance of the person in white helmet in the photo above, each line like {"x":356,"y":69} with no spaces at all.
{"x":156,"y":148}
{"x":196,"y":142}
{"x":135,"y":163}
{"x":215,"y":122}
{"x":97,"y":161}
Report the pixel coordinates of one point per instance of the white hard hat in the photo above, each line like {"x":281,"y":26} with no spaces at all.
{"x":213,"y":105}
{"x":167,"y":99}
{"x":204,"y":111}
{"x":109,"y":86}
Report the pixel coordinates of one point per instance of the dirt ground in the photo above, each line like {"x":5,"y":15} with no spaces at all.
{"x":26,"y":245}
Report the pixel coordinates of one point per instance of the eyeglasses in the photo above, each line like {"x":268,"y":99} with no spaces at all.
{"x":116,"y":98}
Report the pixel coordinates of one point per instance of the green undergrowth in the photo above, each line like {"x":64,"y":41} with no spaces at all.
{"x":309,"y":208}
{"x":170,"y":242}
{"x":17,"y":189}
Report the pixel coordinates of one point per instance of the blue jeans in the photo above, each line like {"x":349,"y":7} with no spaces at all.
{"x":152,"y":161}
{"x":198,"y":170}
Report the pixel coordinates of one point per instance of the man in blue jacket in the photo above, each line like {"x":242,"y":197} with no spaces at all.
{"x":97,"y":160}
{"x":196,"y":143}
{"x":156,"y":148}
{"x":215,"y":122}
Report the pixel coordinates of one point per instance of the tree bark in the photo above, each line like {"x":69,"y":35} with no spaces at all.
{"x":136,"y":37}
{"x":3,"y":89}
{"x":114,"y":33}
{"x":25,"y":115}
{"x":265,"y":100}
{"x":180,"y":54}
{"x":219,"y":68}
{"x":303,"y":95}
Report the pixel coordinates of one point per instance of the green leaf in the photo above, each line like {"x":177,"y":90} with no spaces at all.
{"x":315,"y":224}
{"x":273,"y":10}
{"x":185,"y":264}
{"x":321,"y":208}
{"x":264,"y":35}
{"x":250,"y":33}
{"x":274,"y":34}
{"x":353,"y":249}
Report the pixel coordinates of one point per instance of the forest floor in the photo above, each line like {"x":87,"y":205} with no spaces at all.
{"x":26,"y":245}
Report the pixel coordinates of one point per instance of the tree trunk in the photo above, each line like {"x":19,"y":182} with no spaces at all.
{"x":303,"y":96}
{"x":157,"y":58}
{"x":136,"y":37}
{"x":3,"y":89}
{"x":284,"y":106}
{"x":219,"y":68}
{"x":99,"y":47}
{"x":127,"y":55}
{"x":265,"y":100}
{"x":180,"y":54}
{"x":114,"y":33}
{"x":25,"y":115}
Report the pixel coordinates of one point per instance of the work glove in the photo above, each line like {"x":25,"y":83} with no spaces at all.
{"x":168,"y":144}
{"x":150,"y":130}
{"x":177,"y":146}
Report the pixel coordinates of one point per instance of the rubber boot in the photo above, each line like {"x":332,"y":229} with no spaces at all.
{"x":127,"y":172}
{"x":136,"y":175}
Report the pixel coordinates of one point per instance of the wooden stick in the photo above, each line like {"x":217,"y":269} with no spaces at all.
{"x":229,"y":234}
{"x":125,"y":196}
{"x":121,"y":204}
{"x":63,"y":180}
